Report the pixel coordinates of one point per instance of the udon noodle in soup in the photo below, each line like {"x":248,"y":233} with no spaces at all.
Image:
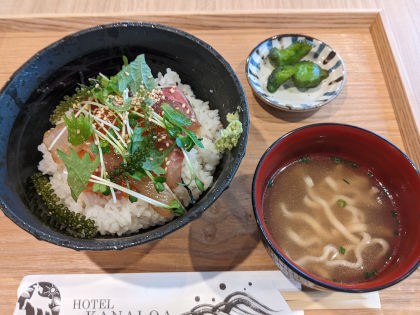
{"x":333,"y":218}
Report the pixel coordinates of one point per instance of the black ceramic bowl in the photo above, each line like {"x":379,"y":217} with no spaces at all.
{"x":34,"y":90}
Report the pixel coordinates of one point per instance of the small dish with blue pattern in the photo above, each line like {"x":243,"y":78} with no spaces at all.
{"x":288,"y":97}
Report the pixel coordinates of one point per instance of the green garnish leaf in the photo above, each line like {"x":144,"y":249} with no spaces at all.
{"x":397,"y":222}
{"x":125,"y":60}
{"x":138,"y":140}
{"x":346,"y":181}
{"x":105,"y":190}
{"x":155,"y":160}
{"x":79,"y":170}
{"x":79,"y":129}
{"x":305,"y":159}
{"x":133,"y":119}
{"x":175,"y":116}
{"x":105,"y":147}
{"x":341,"y":203}
{"x":342,"y":250}
{"x":184,"y":142}
{"x":193,"y":137}
{"x":199,"y":184}
{"x":176,"y":207}
{"x":132,"y":199}
{"x":159,"y":187}
{"x":396,"y":232}
{"x":394,"y":213}
{"x":157,"y":182}
{"x":141,"y":72}
{"x":138,"y":174}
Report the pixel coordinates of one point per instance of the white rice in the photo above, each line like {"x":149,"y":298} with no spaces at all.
{"x":124,"y":216}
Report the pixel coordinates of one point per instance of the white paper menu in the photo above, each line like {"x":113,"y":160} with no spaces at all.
{"x":231,"y":292}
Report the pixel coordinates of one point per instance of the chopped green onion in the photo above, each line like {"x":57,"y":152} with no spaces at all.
{"x":270,"y":183}
{"x":370,"y":274}
{"x":346,"y":181}
{"x":341,"y":203}
{"x":342,"y":250}
{"x":305,"y":159}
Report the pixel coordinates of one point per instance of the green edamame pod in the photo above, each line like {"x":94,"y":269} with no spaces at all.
{"x":279,"y":76}
{"x":308,"y":74}
{"x":289,"y":55}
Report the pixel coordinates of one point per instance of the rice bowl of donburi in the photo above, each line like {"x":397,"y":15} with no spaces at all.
{"x":88,"y":121}
{"x":333,"y":214}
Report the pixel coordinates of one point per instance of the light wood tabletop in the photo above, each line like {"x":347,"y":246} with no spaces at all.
{"x":225,"y":238}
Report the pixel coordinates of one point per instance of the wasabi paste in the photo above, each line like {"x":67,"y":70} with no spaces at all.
{"x":231,"y":134}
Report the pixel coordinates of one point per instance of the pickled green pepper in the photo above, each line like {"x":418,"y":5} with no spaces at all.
{"x":279,"y":76}
{"x":289,"y":55}
{"x":308,"y":74}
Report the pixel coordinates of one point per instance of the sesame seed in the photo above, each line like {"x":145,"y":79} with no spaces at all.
{"x":150,"y":158}
{"x":167,"y":144}
{"x":160,"y":149}
{"x":183,"y":105}
{"x":188,"y":111}
{"x":169,"y":162}
{"x":166,"y":169}
{"x":126,"y":73}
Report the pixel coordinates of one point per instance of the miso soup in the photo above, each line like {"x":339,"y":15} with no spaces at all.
{"x":333,"y":218}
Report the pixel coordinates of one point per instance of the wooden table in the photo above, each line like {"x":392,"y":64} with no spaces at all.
{"x":225,"y":238}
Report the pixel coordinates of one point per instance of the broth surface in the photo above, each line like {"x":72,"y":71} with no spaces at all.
{"x":332,"y":218}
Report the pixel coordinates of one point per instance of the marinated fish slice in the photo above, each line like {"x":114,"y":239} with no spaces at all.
{"x":177,"y":100}
{"x":146,"y":187}
{"x":56,"y":138}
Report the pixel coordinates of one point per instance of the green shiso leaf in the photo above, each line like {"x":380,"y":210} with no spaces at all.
{"x":131,"y":76}
{"x":79,"y":129}
{"x":155,"y":160}
{"x":138,"y":140}
{"x":79,"y":171}
{"x":141,"y":72}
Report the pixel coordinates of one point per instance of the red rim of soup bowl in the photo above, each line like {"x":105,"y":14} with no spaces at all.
{"x":389,"y":165}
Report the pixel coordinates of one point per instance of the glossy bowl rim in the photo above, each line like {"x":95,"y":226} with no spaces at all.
{"x":122,"y":242}
{"x":282,"y":106}
{"x":287,"y":261}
